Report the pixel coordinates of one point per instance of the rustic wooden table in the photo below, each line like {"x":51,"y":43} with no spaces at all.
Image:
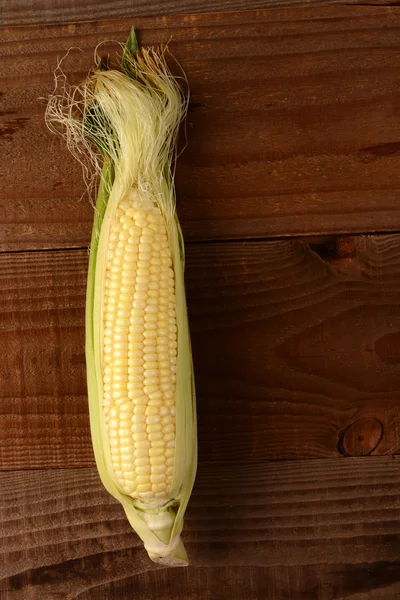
{"x":289,"y":197}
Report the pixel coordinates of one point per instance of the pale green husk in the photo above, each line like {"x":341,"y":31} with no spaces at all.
{"x":133,"y":118}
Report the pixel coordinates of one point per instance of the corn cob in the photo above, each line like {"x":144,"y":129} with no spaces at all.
{"x":138,"y":355}
{"x":140,"y":352}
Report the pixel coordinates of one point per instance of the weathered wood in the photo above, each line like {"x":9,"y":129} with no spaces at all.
{"x":23,"y":12}
{"x":289,"y":351}
{"x":43,"y":405}
{"x":293,"y":124}
{"x":300,"y":529}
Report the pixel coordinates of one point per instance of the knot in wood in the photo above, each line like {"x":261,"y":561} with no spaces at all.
{"x":361,"y":438}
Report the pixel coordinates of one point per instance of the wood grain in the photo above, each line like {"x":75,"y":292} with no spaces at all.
{"x":289,"y":351}
{"x":293,"y":126}
{"x":43,"y":390}
{"x":23,"y":12}
{"x":322,"y":529}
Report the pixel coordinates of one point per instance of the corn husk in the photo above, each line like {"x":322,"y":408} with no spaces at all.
{"x":132,"y":117}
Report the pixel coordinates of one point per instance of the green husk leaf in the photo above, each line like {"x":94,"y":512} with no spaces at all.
{"x":131,"y":49}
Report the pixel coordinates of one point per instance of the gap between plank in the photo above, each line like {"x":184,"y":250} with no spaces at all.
{"x":227,"y":463}
{"x":276,"y":238}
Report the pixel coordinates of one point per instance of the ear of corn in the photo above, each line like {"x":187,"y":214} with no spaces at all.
{"x":138,"y":354}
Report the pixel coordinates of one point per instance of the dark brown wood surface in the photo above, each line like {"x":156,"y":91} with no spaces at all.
{"x":290,"y":351}
{"x":324,"y":529}
{"x":288,"y":192}
{"x":22,"y":12}
{"x":293,"y":126}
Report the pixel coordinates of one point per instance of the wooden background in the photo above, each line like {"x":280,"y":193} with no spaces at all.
{"x":289,"y":197}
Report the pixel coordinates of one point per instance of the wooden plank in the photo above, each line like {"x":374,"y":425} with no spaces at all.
{"x":24,"y":12}
{"x":43,"y":404}
{"x":300,"y":529}
{"x":294,"y":357}
{"x":293,"y":124}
